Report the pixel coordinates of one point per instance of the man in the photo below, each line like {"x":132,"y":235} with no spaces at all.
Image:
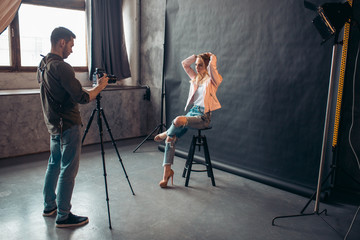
{"x":60,"y":94}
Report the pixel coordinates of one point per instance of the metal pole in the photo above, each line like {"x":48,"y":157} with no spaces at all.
{"x":326,"y":126}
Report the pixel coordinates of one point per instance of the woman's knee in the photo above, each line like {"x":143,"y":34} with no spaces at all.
{"x":180,"y":121}
{"x":170,"y":141}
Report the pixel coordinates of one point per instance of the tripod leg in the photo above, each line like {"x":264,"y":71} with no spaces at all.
{"x":291,"y":216}
{"x":159,"y":127}
{"x":88,"y":125}
{"x":103,"y":161}
{"x":313,"y":196}
{"x":117,"y":152}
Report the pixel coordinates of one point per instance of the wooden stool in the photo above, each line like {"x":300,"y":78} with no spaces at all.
{"x":198,"y":140}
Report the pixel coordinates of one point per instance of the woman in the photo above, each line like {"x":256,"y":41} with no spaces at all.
{"x":202,"y":95}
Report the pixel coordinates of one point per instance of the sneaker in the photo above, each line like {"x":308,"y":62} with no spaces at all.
{"x":72,"y":221}
{"x":48,"y":213}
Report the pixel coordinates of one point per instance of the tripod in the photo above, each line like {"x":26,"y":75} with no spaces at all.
{"x":100,"y":115}
{"x":159,"y":127}
{"x":331,"y":174}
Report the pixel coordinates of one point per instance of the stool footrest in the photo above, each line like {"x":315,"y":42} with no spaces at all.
{"x":202,"y":170}
{"x":194,"y":170}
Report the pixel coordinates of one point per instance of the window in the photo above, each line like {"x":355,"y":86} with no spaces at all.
{"x":4,"y":49}
{"x":32,"y":29}
{"x":36,"y":24}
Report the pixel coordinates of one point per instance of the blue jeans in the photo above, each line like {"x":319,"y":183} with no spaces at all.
{"x":61,"y":171}
{"x":196,"y":119}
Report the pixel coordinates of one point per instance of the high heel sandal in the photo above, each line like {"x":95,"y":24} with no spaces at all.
{"x":163,"y":183}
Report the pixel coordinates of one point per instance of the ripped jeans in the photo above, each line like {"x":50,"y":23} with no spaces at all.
{"x":196,"y":119}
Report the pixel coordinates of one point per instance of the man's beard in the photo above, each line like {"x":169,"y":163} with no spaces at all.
{"x":65,"y":54}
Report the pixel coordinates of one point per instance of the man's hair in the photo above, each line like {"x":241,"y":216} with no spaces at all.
{"x":61,"y":33}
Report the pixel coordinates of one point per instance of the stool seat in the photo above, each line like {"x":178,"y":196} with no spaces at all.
{"x":200,"y":141}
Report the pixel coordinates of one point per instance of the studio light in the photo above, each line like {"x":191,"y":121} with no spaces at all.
{"x":331,"y":17}
{"x":329,"y":22}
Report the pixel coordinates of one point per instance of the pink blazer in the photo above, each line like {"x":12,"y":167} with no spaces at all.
{"x":211,"y":102}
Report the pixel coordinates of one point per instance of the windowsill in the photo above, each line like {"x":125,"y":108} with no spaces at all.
{"x":18,"y":92}
{"x":37,"y":91}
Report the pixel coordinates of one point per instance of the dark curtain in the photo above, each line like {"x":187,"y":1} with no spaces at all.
{"x":106,"y":39}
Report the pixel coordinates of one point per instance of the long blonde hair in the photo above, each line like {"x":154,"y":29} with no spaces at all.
{"x":200,"y":78}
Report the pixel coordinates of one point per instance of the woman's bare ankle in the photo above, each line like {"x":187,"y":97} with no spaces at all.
{"x":160,"y":137}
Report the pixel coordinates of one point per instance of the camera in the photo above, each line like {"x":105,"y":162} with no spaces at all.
{"x":100,"y":73}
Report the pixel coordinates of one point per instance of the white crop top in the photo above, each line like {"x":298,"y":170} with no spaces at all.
{"x":199,"y":96}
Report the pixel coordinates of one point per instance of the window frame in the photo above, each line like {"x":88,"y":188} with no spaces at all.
{"x":14,"y":34}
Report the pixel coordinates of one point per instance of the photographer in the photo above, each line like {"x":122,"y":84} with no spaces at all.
{"x":60,"y":94}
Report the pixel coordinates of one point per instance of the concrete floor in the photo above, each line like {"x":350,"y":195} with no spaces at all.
{"x":237,"y":208}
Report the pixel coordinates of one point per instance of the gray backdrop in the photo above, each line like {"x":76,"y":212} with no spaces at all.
{"x":275,"y":82}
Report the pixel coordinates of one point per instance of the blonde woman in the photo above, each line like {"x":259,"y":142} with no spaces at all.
{"x":204,"y":83}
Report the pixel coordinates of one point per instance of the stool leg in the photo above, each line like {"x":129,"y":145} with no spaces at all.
{"x":208,"y":162}
{"x":190,"y":156}
{"x":199,"y":138}
{"x":190,"y":160}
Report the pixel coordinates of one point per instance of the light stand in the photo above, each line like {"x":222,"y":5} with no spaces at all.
{"x":331,"y":25}
{"x":161,"y":125}
{"x":324,"y":142}
{"x":100,"y":115}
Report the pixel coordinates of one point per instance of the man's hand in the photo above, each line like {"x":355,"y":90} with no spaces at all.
{"x":101,"y":84}
{"x":103,"y":81}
